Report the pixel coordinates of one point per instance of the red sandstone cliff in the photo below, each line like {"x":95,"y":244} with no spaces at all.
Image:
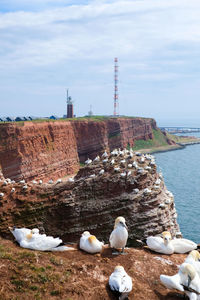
{"x":93,"y":137}
{"x":43,"y":150}
{"x":49,"y":150}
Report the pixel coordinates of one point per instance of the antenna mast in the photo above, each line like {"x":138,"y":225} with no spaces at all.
{"x":116,"y":86}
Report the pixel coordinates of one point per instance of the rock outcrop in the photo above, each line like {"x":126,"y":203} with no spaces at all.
{"x":127,"y":185}
{"x":45,"y":150}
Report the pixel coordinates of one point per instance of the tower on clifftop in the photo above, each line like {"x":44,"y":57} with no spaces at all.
{"x":70,"y":107}
{"x":116,"y":103}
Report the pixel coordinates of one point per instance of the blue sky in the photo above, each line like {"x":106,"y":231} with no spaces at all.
{"x":47,"y":46}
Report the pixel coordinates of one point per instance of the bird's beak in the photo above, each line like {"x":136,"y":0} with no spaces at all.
{"x":189,"y":280}
{"x":125,"y":226}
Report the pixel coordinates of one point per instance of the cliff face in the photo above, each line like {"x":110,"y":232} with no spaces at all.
{"x":50,"y":150}
{"x":93,"y":201}
{"x":93,"y":137}
{"x":42,"y":150}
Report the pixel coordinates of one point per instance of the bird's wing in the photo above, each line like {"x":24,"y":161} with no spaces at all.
{"x":155,"y":243}
{"x":112,"y":236}
{"x":183,"y":245}
{"x":44,"y":243}
{"x":172,"y":282}
{"x":114,"y":282}
{"x":126,"y":284}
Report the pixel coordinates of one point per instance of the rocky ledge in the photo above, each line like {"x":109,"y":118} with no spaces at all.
{"x":126,"y":184}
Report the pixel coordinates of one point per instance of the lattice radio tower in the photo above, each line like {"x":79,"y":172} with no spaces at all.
{"x":116,"y":104}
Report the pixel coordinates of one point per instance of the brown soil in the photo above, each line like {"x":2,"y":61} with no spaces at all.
{"x":27,"y":274}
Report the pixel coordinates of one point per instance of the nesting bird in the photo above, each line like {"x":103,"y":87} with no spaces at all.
{"x":105,"y":154}
{"x":186,"y":280}
{"x":101,"y":172}
{"x":166,"y":245}
{"x":120,"y":283}
{"x":88,"y":161}
{"x":97,"y":158}
{"x":193,"y":259}
{"x":119,"y":235}
{"x":89,"y":243}
{"x":32,"y":239}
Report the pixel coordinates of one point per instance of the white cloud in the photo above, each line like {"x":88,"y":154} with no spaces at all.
{"x":155,"y":40}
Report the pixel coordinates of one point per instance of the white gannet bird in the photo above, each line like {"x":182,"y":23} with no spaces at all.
{"x":183,"y":245}
{"x":71,"y":179}
{"x":88,"y":161}
{"x":120,"y":283}
{"x":119,"y":235}
{"x":89,"y":243}
{"x":112,"y":161}
{"x":32,"y":239}
{"x":186,"y":280}
{"x":105,"y":154}
{"x":123,"y":174}
{"x":114,"y":152}
{"x":166,"y":245}
{"x":117,"y":169}
{"x":161,"y":245}
{"x":104,"y":161}
{"x":193,"y":259}
{"x":101,"y":172}
{"x":97,"y":158}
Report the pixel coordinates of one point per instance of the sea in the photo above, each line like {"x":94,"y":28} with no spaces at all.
{"x":181,"y":172}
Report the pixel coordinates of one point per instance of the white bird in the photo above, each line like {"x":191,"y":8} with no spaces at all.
{"x":112,"y":161}
{"x":101,"y":172}
{"x":12,"y":190}
{"x":114,"y":152}
{"x":147,"y":191}
{"x":120,"y":283}
{"x":5,"y":182}
{"x":25,"y":187}
{"x":105,"y":160}
{"x":161,"y":245}
{"x":193,"y":259}
{"x":183,"y":245}
{"x":50,"y":181}
{"x":92,"y":176}
{"x":119,"y":235}
{"x":166,"y":245}
{"x":32,"y":239}
{"x":22,"y":181}
{"x":90,"y":243}
{"x":97,"y":158}
{"x":88,"y":161}
{"x":71,"y":179}
{"x":186,"y":280}
{"x":105,"y":154}
{"x":34,"y":182}
{"x":123,"y":175}
{"x":134,"y":164}
{"x":59,"y":180}
{"x":1,"y":195}
{"x":129,"y":166}
{"x":117,"y":169}
{"x":129,"y":173}
{"x":40,"y":181}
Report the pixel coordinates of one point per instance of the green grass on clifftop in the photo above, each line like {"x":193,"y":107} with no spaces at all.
{"x":158,"y":140}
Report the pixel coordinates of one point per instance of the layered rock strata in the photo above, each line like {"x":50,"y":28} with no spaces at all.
{"x":43,"y":150}
{"x":49,"y":150}
{"x":124,"y":185}
{"x":93,"y":137}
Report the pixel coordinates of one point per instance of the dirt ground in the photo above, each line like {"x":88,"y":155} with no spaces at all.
{"x":27,"y":274}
